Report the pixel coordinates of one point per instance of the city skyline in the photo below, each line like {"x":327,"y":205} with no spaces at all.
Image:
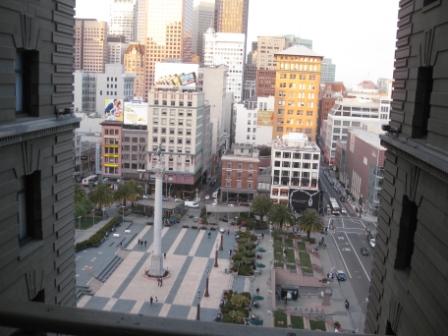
{"x":371,"y":56}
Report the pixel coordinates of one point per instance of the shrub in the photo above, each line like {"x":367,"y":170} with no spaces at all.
{"x":297,"y":322}
{"x":280,"y":319}
{"x":98,"y":237}
{"x":317,"y":325}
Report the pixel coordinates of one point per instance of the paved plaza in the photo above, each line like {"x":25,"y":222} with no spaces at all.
{"x":190,"y":255}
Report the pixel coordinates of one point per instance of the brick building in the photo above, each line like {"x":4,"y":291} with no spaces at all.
{"x":111,"y":148}
{"x":239,"y":173}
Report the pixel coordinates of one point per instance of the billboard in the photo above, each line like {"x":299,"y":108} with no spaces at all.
{"x":136,"y":114}
{"x":300,"y":200}
{"x":113,"y":109}
{"x":182,"y":76}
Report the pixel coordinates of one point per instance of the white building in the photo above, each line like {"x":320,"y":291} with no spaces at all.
{"x":116,"y":47}
{"x":295,"y":166}
{"x":213,"y":82}
{"x":203,"y":18}
{"x":358,"y":112}
{"x":182,"y":130}
{"x":227,"y":49}
{"x":93,"y":90}
{"x":88,"y":144}
{"x":122,"y":19}
{"x":253,"y":122}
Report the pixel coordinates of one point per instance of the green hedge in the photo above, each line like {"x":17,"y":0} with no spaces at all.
{"x":280,"y":319}
{"x":305,"y":262}
{"x":297,"y":322}
{"x":317,"y":325}
{"x":97,"y":238}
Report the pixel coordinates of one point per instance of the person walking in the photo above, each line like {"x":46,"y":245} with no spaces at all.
{"x":156,"y":299}
{"x":150,"y":300}
{"x":164,"y":255}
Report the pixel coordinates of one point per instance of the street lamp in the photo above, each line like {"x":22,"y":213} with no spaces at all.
{"x":198,"y":311}
{"x":216,"y":258}
{"x":206,"y":294}
{"x":221,"y":245}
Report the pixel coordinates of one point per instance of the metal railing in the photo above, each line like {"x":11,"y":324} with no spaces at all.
{"x":32,"y":318}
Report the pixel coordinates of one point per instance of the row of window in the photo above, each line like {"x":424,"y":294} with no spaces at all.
{"x":134,"y":139}
{"x":172,"y":103}
{"x":296,"y":165}
{"x":296,"y":156}
{"x":163,"y":130}
{"x":309,"y":104}
{"x":180,"y":141}
{"x":172,"y":122}
{"x":239,"y":184}
{"x":172,"y":113}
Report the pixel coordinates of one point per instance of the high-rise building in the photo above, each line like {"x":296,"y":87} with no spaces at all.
{"x":37,"y":152}
{"x":296,"y":91}
{"x":134,"y":63}
{"x":167,"y":33}
{"x":90,"y":48}
{"x":116,"y":47}
{"x":292,"y":40}
{"x":408,"y":287}
{"x":182,"y":129}
{"x":204,"y":16}
{"x":122,"y":19}
{"x":231,"y":16}
{"x":267,"y":46}
{"x":327,"y":71}
{"x":226,"y":49}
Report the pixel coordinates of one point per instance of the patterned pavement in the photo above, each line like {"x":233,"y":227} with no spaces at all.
{"x":189,"y":258}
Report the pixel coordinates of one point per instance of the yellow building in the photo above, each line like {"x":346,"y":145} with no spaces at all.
{"x":134,"y":63}
{"x":297,"y":79}
{"x":231,"y":16}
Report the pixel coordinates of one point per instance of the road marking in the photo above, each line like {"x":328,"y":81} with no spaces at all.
{"x":357,"y":256}
{"x":343,"y":224}
{"x":342,"y":257}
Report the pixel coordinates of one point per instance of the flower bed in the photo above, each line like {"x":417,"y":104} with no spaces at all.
{"x":235,"y":307}
{"x":317,"y":325}
{"x":297,"y":322}
{"x":280,"y":319}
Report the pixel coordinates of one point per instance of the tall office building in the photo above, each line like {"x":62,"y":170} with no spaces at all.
{"x":122,"y":19}
{"x":204,"y":16}
{"x":134,"y":63}
{"x":37,"y":152}
{"x":226,"y":49}
{"x":231,"y":16}
{"x":408,"y":294}
{"x":267,"y":46}
{"x":116,"y":47}
{"x":90,"y":48}
{"x":327,"y":71}
{"x":296,"y":91}
{"x":168,"y":29}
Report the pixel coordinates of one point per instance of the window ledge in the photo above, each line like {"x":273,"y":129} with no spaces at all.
{"x":29,"y":248}
{"x":431,"y":6}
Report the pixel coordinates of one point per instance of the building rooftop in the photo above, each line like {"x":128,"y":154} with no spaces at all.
{"x":298,"y":50}
{"x":372,"y":138}
{"x":295,"y":141}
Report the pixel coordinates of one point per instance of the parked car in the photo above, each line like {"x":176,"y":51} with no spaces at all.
{"x":343,"y":211}
{"x":222,"y":230}
{"x":341,"y":276}
{"x":372,"y":242}
{"x":191,"y":204}
{"x":364,"y":251}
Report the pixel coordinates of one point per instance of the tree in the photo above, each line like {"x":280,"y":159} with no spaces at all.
{"x":83,"y":205}
{"x":280,"y":214}
{"x":128,"y":191}
{"x":102,"y":196}
{"x":261,"y":206}
{"x":310,"y":222}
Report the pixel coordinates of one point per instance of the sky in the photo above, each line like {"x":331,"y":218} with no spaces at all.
{"x":358,"y":35}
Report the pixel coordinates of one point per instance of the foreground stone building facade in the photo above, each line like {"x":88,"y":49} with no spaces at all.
{"x":37,"y":151}
{"x":408,"y":294}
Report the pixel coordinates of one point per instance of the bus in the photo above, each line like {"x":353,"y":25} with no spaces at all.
{"x":89,"y":179}
{"x":335,"y":208}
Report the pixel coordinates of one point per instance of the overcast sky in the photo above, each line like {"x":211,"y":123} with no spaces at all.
{"x":358,"y":35}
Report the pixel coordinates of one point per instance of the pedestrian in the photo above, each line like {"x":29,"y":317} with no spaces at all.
{"x":158,"y":282}
{"x":347,"y":304}
{"x":164,"y":255}
{"x":228,"y":232}
{"x":156,"y":299}
{"x":262,"y":235}
{"x":145,"y":243}
{"x":230,"y":252}
{"x":150,"y":300}
{"x":161,"y":282}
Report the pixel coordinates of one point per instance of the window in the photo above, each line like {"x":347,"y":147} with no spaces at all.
{"x":29,"y":207}
{"x":422,"y":102}
{"x":408,"y":225}
{"x":27,"y":80}
{"x":428,"y":2}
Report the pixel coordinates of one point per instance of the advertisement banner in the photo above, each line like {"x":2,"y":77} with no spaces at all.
{"x":136,"y":114}
{"x":182,"y":76}
{"x":113,"y":109}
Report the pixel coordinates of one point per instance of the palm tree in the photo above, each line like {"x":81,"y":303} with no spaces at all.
{"x":102,"y":196}
{"x":261,"y":206}
{"x":310,"y":222}
{"x":83,"y":205}
{"x":280,"y":214}
{"x":128,"y":191}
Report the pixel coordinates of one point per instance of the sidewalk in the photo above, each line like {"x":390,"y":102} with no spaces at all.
{"x":81,"y":235}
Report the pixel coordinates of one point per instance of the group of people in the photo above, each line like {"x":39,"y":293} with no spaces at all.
{"x":153,"y":299}
{"x":159,"y":282}
{"x":142,"y":242}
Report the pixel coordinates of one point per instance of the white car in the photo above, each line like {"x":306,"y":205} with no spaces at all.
{"x":207,"y":197}
{"x":191,"y":204}
{"x":222,"y":230}
{"x":372,"y":242}
{"x":343,"y":211}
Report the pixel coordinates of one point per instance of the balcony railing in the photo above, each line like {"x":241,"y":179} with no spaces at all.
{"x":33,"y":318}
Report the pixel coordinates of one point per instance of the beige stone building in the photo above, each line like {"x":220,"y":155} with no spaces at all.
{"x":90,"y":47}
{"x":134,"y":63}
{"x":231,"y":16}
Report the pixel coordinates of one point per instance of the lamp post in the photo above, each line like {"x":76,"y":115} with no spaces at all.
{"x":216,"y":258}
{"x":206,"y":294}
{"x":221,"y":245}
{"x":198,"y":311}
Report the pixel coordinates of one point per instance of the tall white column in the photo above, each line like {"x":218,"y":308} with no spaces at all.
{"x":156,"y":267}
